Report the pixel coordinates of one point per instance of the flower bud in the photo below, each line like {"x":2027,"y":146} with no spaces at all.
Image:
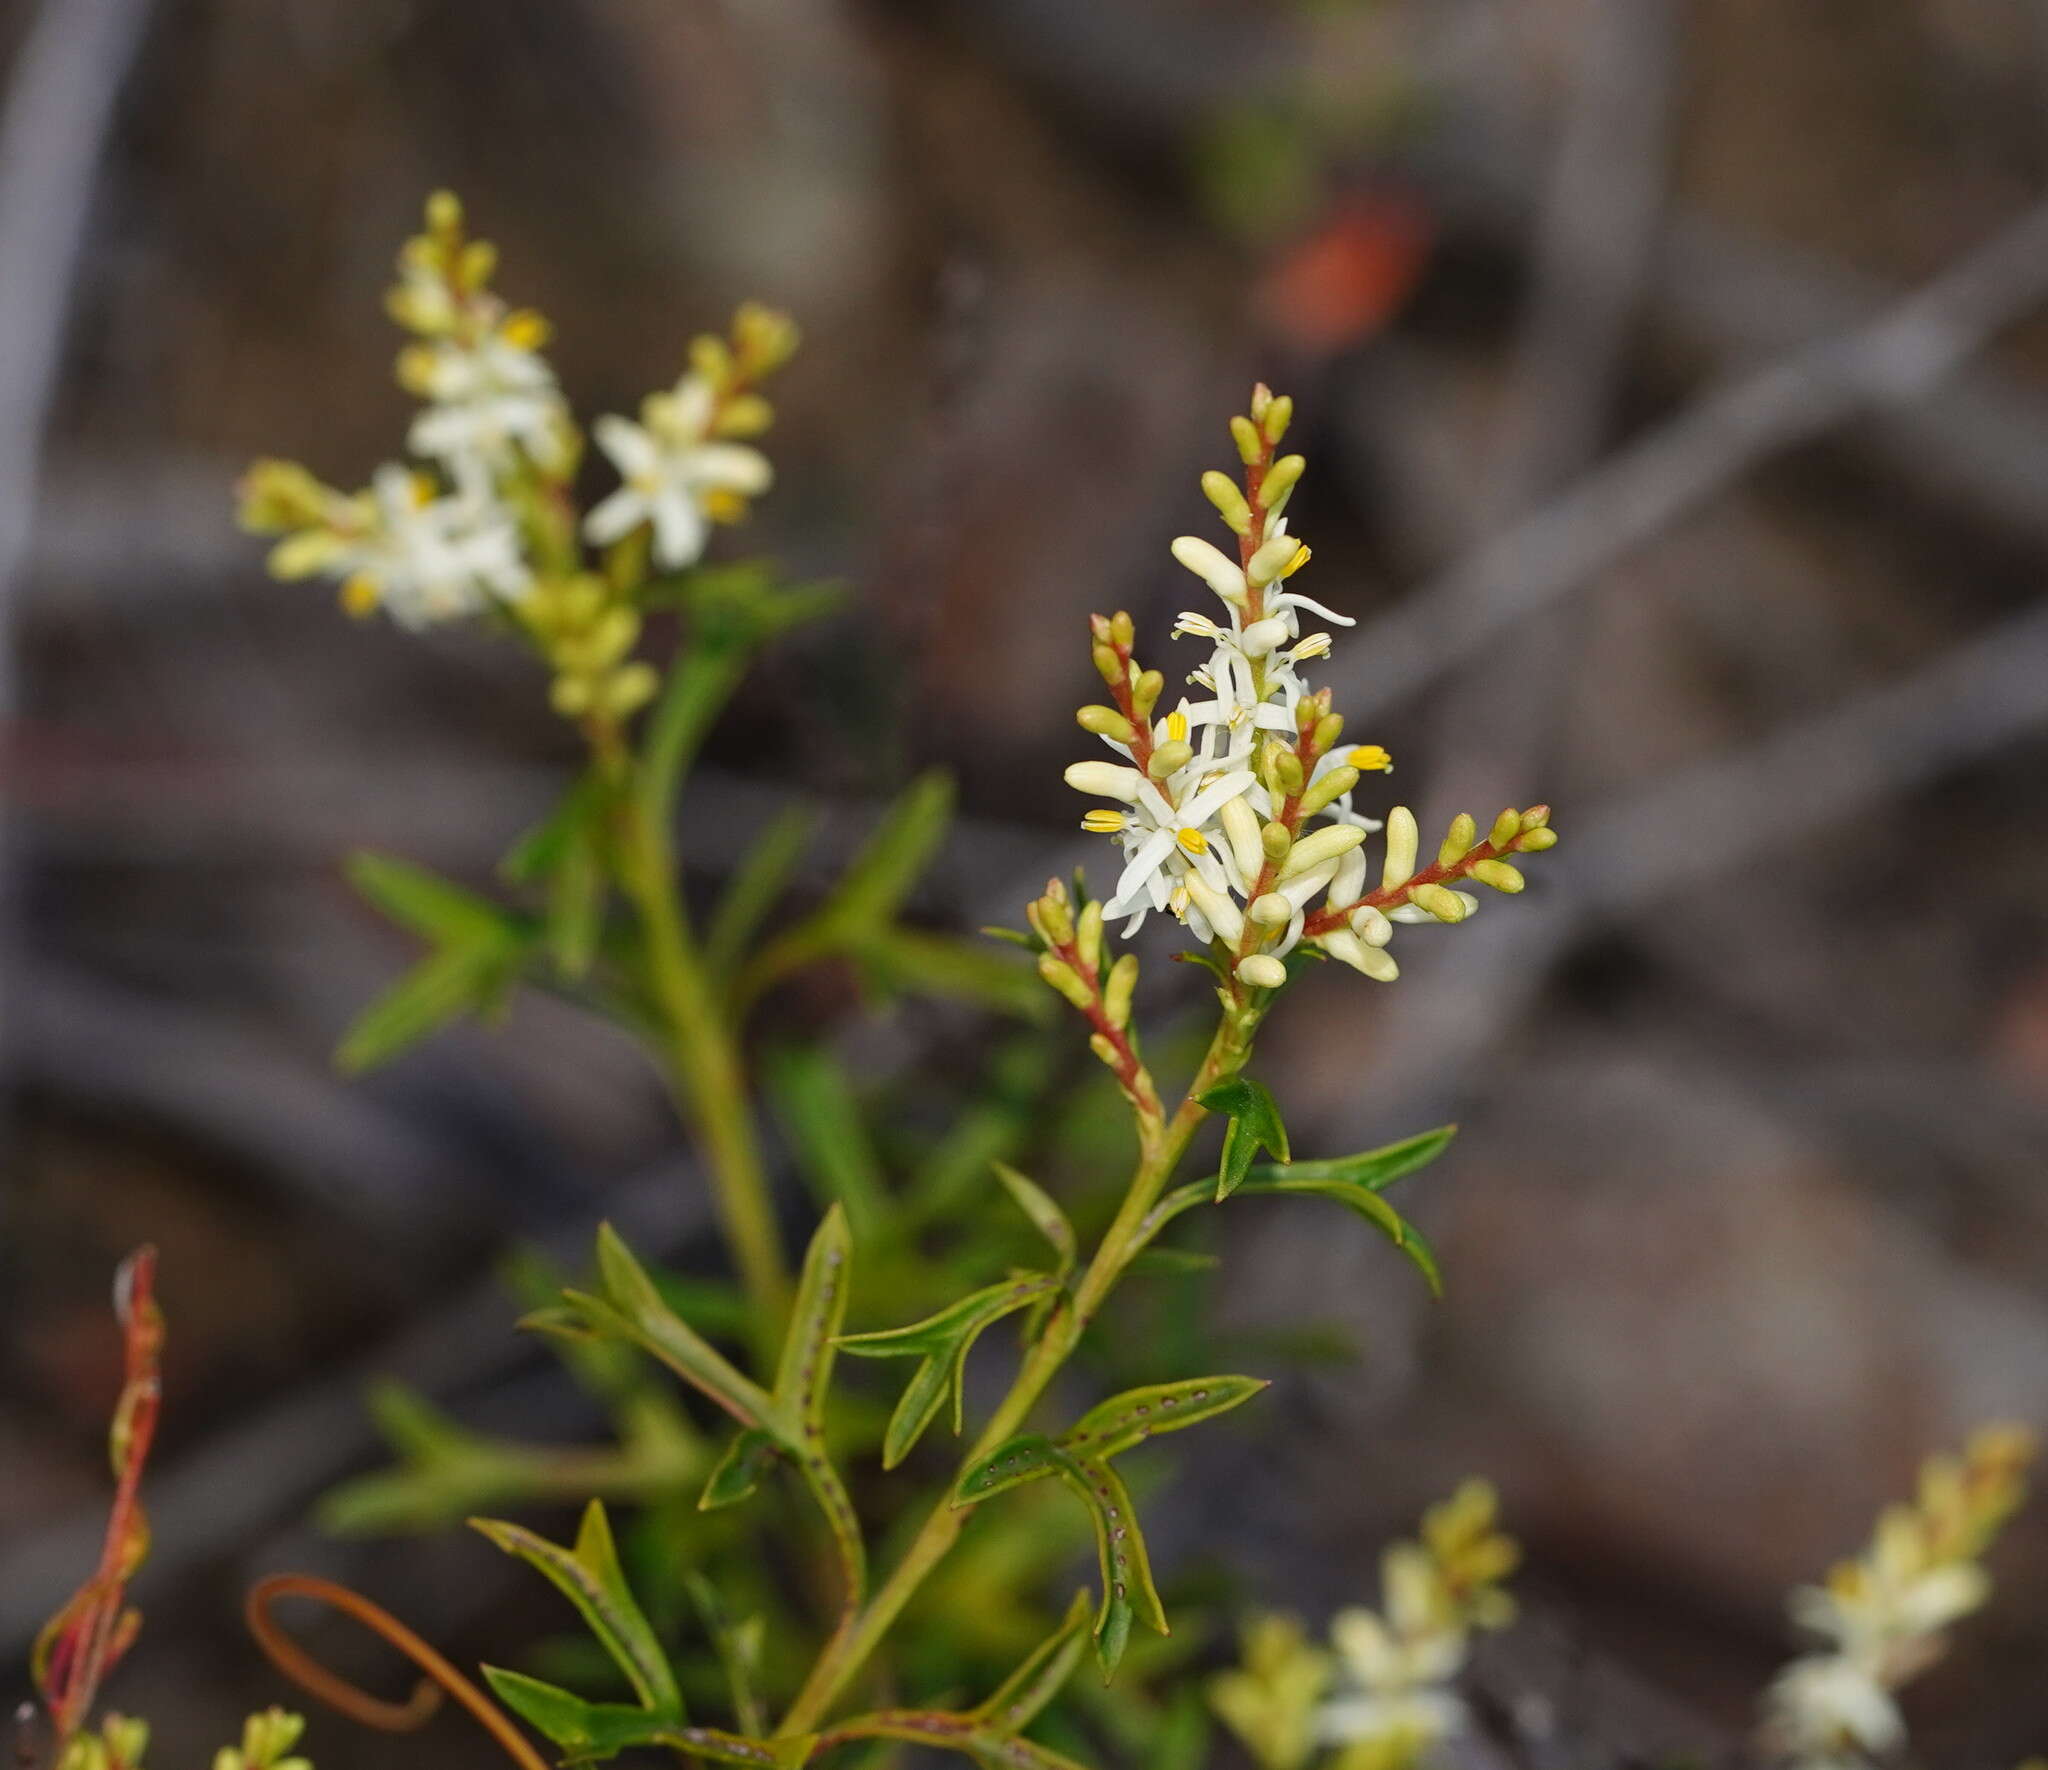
{"x":1278,"y":416}
{"x":1108,"y":665}
{"x":1064,"y":978}
{"x":1329,"y":843}
{"x":1241,"y":828}
{"x":1145,"y":692}
{"x":1221,"y":490}
{"x":1280,"y":481}
{"x":1536,"y":840}
{"x":1088,"y":936}
{"x":1328,"y":789}
{"x":1506,"y":828}
{"x":1271,"y":910}
{"x":1272,"y":559}
{"x":1121,"y":631}
{"x":1458,"y":840}
{"x":1275,"y":841}
{"x":1498,"y":874}
{"x":1535,"y":817}
{"x":1116,"y":993}
{"x":1402,"y":840}
{"x":1223,"y":915}
{"x":1348,"y":885}
{"x":1371,"y":925}
{"x":1175,"y":753}
{"x":1104,"y":1050}
{"x":1445,"y":905}
{"x":1329,"y":728}
{"x":1261,"y":637}
{"x":1105,"y":780}
{"x":1262,"y":401}
{"x":1251,"y":446}
{"x":1341,"y":944}
{"x":1105,"y":722}
{"x":1213,"y":566}
{"x":1261,"y":971}
{"x":1288,"y":772}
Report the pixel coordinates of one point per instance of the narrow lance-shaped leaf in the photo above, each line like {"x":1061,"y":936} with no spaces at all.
{"x":1254,"y":1125}
{"x":1024,"y":1458}
{"x":590,"y":1577}
{"x":1127,"y":1419}
{"x":801,"y":1380}
{"x":441,"y":988}
{"x":633,"y":1309}
{"x":1045,"y":1214}
{"x":729,"y":1748}
{"x":1020,"y":1697}
{"x":942,"y":1331}
{"x":587,"y":1732}
{"x":434,"y":908}
{"x":1127,"y":1588}
{"x":756,"y":885}
{"x":749,"y":1457}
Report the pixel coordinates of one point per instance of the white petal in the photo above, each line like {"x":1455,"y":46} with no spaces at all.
{"x":680,"y":530}
{"x":731,"y":467}
{"x":633,"y":450}
{"x":1214,"y":567}
{"x":618,"y":516}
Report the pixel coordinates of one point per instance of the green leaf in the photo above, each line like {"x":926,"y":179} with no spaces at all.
{"x":1137,"y":1414}
{"x":944,"y":1731}
{"x":1020,"y":1697}
{"x":590,"y":1577}
{"x":814,"y":1099}
{"x":587,"y":1732}
{"x":434,"y":908}
{"x":1254,"y":1125}
{"x":632,"y":1309}
{"x":947,"y":967}
{"x":1024,"y":1458}
{"x":749,"y":1457}
{"x":889,"y":863}
{"x":441,"y":988}
{"x":1373,"y":1169}
{"x":731,"y":1748}
{"x":943,"y":1341}
{"x":1172,"y":1262}
{"x":1045,"y":1214}
{"x":805,"y":1371}
{"x":756,"y":885}
{"x":1376,"y":1211}
{"x":802,"y":1379}
{"x":737,"y":1646}
{"x":1127,"y":1588}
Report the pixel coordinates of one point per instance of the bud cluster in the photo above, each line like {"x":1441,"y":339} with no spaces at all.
{"x":1071,"y":959}
{"x":489,"y":524}
{"x":1235,"y":811}
{"x":1884,"y":1614}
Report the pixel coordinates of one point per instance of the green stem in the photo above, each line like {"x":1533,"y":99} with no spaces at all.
{"x":701,"y":1059}
{"x":1159,"y":1156}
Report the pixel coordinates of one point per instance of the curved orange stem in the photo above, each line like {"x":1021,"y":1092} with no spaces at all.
{"x":338,"y":1693}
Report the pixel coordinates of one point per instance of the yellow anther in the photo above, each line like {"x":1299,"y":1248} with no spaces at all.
{"x":1177,"y":727}
{"x":359,"y":595}
{"x":1300,"y":559}
{"x":1103,"y":823}
{"x":423,"y":490}
{"x":1194,"y":841}
{"x":524,"y":330}
{"x":724,"y":506}
{"x":1371,"y":759}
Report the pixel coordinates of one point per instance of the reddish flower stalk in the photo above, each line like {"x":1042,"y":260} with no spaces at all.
{"x":82,"y":1643}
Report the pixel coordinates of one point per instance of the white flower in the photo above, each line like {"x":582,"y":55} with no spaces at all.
{"x":674,"y":474}
{"x":1399,"y":1668}
{"x":488,"y":401}
{"x":430,"y":559}
{"x":1834,"y":1708}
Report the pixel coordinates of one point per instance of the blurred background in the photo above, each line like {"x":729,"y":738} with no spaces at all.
{"x":1674,"y":380}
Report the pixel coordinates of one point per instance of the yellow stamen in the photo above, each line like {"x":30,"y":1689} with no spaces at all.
{"x":724,"y":506}
{"x":1177,"y":727}
{"x":524,"y":330}
{"x":1103,"y":823}
{"x":1371,"y":759}
{"x":359,"y":595}
{"x":423,"y":490}
{"x":1300,"y":559}
{"x":1193,"y":841}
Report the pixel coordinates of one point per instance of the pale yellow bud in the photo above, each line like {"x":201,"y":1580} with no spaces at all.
{"x":1457,"y":842}
{"x":1222,"y":491}
{"x":1241,"y":829}
{"x":1224,"y":916}
{"x":1280,"y":481}
{"x":1328,"y":790}
{"x":1064,"y":978}
{"x":1275,"y":841}
{"x":1169,"y":757}
{"x":1271,"y":910}
{"x":1116,"y":993}
{"x":1445,"y":905}
{"x":1402,"y":840}
{"x":1327,"y":844}
{"x":1272,"y":559}
{"x":1506,"y":828}
{"x":1105,"y":722}
{"x":1279,"y":415}
{"x":1350,"y":949}
{"x":1261,"y":971}
{"x":1105,"y":780}
{"x":1537,"y":840}
{"x":1088,"y":936}
{"x":1498,"y":874}
{"x":1250,"y":445}
{"x":1371,"y":925}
